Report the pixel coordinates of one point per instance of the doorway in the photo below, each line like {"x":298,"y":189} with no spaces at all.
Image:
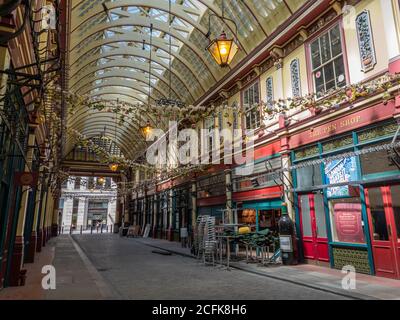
{"x":383,"y":207}
{"x":313,"y":227}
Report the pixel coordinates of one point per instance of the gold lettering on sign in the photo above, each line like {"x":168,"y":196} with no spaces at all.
{"x":331,"y":128}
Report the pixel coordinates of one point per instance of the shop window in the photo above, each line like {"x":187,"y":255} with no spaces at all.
{"x":319,"y":209}
{"x":376,"y":162}
{"x":338,"y":172}
{"x":247,"y":216}
{"x":251,"y":99}
{"x":305,"y":215}
{"x":327,"y":62}
{"x":379,"y":223}
{"x":346,"y":220}
{"x":309,"y":176}
{"x":268,"y":219}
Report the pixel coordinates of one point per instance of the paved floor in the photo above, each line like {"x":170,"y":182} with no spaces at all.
{"x":106,"y":266}
{"x":133,"y":271}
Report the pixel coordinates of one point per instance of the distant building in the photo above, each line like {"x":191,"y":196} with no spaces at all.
{"x":87,"y":201}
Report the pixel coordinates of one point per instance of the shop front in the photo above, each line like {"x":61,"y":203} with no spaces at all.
{"x":182,"y":209}
{"x":346,"y":194}
{"x":211,"y":196}
{"x":258,"y":197}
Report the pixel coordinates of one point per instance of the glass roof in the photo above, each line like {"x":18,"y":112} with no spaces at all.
{"x":143,"y":50}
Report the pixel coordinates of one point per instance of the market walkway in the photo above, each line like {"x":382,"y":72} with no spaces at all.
{"x":311,"y":276}
{"x":106,"y":266}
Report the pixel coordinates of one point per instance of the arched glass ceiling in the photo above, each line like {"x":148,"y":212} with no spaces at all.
{"x":110,"y":55}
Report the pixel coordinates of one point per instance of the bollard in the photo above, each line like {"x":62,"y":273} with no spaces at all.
{"x":101,"y":229}
{"x":107,"y":229}
{"x":81,"y":228}
{"x":111,"y":228}
{"x":70,"y":229}
{"x":91,"y":229}
{"x":62,"y":230}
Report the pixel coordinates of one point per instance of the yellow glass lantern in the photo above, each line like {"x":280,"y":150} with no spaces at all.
{"x":113,"y":167}
{"x":101,"y":180}
{"x":146,"y":130}
{"x":223,"y":50}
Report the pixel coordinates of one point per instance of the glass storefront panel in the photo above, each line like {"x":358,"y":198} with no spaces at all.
{"x":379,"y":223}
{"x":346,"y":220}
{"x":376,"y":162}
{"x":320,"y":215}
{"x":305,"y":215}
{"x":309,"y":176}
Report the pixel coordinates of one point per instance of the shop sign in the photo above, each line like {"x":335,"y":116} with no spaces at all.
{"x":339,"y":171}
{"x":348,"y":222}
{"x":286,"y":243}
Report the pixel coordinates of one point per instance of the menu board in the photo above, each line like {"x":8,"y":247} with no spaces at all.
{"x":348,"y":222}
{"x":341,"y":170}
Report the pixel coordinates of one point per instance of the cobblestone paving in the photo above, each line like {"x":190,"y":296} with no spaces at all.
{"x":134,"y":272}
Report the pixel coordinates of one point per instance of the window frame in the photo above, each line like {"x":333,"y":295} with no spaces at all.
{"x":251,"y":110}
{"x":310,"y":70}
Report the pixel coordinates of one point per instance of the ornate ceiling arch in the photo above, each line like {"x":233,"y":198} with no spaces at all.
{"x":110,"y":57}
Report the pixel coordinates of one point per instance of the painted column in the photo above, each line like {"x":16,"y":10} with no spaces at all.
{"x":170,"y":213}
{"x":18,"y":248}
{"x":85,"y":214}
{"x":67,"y":214}
{"x":4,"y":64}
{"x":228,"y":188}
{"x":56,"y":215}
{"x":286,"y":163}
{"x":194,"y":204}
{"x":81,"y":213}
{"x":155,"y":213}
{"x":391,"y":34}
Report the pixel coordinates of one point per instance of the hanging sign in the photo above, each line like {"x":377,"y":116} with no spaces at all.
{"x":26,"y":178}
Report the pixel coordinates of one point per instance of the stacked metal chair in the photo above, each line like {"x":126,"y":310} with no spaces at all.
{"x":199,"y":235}
{"x":209,"y":241}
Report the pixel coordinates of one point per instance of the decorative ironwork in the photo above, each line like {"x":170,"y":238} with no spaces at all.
{"x":365,"y":41}
{"x":377,"y":132}
{"x":338,"y":143}
{"x":307,"y":152}
{"x":295,"y":76}
{"x":270,"y":91}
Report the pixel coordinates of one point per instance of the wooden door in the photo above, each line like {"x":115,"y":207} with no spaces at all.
{"x":313,"y":227}
{"x":383,"y":235}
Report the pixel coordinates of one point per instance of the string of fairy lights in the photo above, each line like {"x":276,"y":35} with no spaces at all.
{"x":384,"y":85}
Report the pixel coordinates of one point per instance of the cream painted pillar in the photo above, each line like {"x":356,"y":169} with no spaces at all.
{"x":228,"y":187}
{"x":67,"y":213}
{"x":391,"y":31}
{"x":25,"y":192}
{"x":81,"y":213}
{"x":194,"y":204}
{"x":4,"y":64}
{"x":287,"y":183}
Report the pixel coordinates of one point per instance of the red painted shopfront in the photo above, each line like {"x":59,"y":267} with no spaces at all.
{"x":367,"y":219}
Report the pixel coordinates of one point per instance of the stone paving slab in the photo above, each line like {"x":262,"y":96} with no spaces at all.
{"x":330,"y":280}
